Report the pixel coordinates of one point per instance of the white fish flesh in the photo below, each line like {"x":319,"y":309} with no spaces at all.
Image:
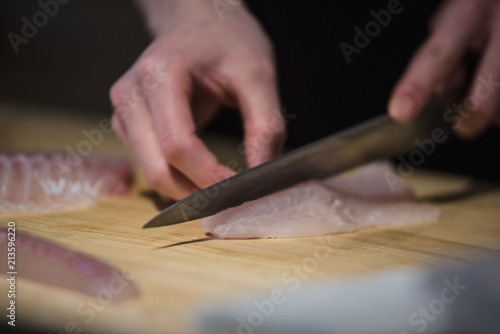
{"x":46,"y":182}
{"x":45,"y":262}
{"x":354,"y":200}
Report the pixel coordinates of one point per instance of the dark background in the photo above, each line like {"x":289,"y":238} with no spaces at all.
{"x":75,"y":58}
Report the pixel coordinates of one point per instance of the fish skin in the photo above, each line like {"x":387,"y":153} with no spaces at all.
{"x":48,"y":182}
{"x":40,"y":260}
{"x":345,"y":203}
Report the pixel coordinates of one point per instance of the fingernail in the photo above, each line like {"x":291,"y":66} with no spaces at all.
{"x":402,"y":108}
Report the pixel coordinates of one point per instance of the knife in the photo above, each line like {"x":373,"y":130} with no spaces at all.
{"x":375,"y":139}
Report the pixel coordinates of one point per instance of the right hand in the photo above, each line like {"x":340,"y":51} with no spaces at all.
{"x":200,"y":62}
{"x":459,"y":29}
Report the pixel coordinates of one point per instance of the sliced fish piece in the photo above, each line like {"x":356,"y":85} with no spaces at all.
{"x":351,"y":201}
{"x":373,"y":181}
{"x":46,"y":182}
{"x":43,"y":261}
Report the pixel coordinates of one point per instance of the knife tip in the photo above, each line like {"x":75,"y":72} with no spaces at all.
{"x":154,"y":222}
{"x":162,"y":219}
{"x":148,"y":224}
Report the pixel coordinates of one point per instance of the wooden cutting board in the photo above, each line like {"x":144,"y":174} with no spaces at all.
{"x":173,"y":281}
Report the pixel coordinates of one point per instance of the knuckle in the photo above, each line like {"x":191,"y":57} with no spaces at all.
{"x":144,"y":68}
{"x":264,"y":69}
{"x":150,"y":64}
{"x":154,"y":176}
{"x":259,"y":66}
{"x":120,"y":112}
{"x":174,"y":146}
{"x":116,"y":91}
{"x":438,"y":48}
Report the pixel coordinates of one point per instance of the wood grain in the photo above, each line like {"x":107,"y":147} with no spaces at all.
{"x":173,"y":281}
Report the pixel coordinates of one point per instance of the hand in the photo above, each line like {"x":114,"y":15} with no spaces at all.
{"x":195,"y":63}
{"x":459,"y":27}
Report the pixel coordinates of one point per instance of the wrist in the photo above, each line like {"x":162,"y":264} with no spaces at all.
{"x":158,"y":14}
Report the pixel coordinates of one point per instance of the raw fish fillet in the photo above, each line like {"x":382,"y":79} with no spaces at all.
{"x":39,"y":183}
{"x":345,"y":203}
{"x":40,"y":260}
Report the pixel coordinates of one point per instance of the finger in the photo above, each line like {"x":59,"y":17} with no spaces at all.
{"x":138,"y":130}
{"x":204,"y":106}
{"x":437,"y":15}
{"x":257,"y":95}
{"x":484,"y":94}
{"x":175,"y":128}
{"x":119,"y":129}
{"x":435,"y":59}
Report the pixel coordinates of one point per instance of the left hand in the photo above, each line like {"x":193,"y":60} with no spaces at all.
{"x":459,"y":26}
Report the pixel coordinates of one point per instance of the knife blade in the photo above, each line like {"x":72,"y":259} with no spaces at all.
{"x":375,"y":139}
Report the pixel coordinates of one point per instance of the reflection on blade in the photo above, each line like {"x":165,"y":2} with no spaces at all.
{"x":376,"y":139}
